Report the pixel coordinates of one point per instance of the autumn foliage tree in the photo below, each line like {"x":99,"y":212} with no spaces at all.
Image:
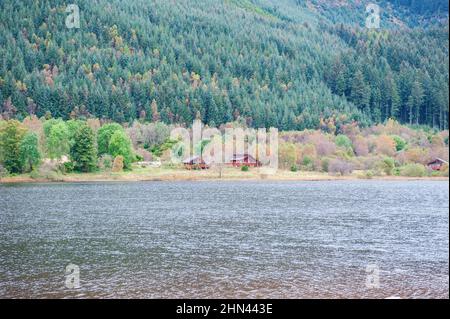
{"x":385,"y":145}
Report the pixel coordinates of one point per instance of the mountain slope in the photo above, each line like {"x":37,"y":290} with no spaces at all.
{"x":286,"y":63}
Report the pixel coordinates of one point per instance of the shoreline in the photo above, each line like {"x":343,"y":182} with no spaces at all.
{"x":179,"y":175}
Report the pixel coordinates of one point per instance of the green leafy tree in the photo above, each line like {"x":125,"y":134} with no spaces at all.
{"x":58,"y":141}
{"x":83,"y":151}
{"x":11,"y":136}
{"x":400,"y":143}
{"x":104,"y":136}
{"x":344,"y":142}
{"x":120,"y":145}
{"x":388,"y":165}
{"x":73,"y":127}
{"x":30,"y":154}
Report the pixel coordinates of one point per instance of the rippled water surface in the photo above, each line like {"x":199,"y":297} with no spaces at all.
{"x":225,"y":239}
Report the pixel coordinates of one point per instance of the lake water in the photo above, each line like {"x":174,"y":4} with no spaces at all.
{"x":226,"y":239}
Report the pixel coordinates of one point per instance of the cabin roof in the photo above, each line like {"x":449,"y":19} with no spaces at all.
{"x":195,"y":160}
{"x":438,"y":160}
{"x":191,"y":159}
{"x":238,"y":157}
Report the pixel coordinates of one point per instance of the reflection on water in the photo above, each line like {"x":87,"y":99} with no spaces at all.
{"x":228,"y":239}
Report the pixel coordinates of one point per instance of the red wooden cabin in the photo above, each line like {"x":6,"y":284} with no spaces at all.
{"x":437,"y":164}
{"x":195,"y":162}
{"x":239,"y":160}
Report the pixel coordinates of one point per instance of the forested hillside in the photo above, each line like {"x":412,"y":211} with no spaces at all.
{"x":292,"y":64}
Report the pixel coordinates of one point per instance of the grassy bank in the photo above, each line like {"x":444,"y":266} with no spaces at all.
{"x":227,"y":174}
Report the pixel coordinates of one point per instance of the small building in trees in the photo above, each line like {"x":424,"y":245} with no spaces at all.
{"x":195,"y":162}
{"x":437,"y":164}
{"x":239,"y":160}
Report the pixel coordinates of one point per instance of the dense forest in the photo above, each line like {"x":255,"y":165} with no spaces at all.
{"x":291,"y":64}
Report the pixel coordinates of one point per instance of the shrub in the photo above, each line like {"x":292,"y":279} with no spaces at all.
{"x":400,"y":143}
{"x":245,"y":168}
{"x":105,"y":162}
{"x":287,"y":154}
{"x":309,"y":151}
{"x":307,"y":163}
{"x":325,"y":164}
{"x":344,"y":142}
{"x":324,"y":146}
{"x":3,"y":172}
{"x":344,"y":154}
{"x":417,"y":155}
{"x":361,"y":146}
{"x":166,"y":147}
{"x":385,"y":145}
{"x":388,"y":165}
{"x":437,"y":140}
{"x":34,"y":174}
{"x":49,"y":170}
{"x":144,"y":154}
{"x":340,"y":167}
{"x":68,"y":167}
{"x":367,"y":175}
{"x":118,"y":164}
{"x":294,"y":168}
{"x":139,"y":158}
{"x":413,"y":170}
{"x":444,"y":170}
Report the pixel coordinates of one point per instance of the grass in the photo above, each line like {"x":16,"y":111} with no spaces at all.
{"x":180,"y":174}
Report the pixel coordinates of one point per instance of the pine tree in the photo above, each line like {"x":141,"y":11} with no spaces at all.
{"x":155,"y":114}
{"x":415,"y":101}
{"x":359,"y":91}
{"x":83,"y":152}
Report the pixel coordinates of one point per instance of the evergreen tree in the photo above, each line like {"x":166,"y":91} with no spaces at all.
{"x":238,"y":60}
{"x":83,"y":152}
{"x":359,"y":91}
{"x":415,"y":101}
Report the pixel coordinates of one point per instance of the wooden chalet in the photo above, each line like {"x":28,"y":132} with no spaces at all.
{"x":239,"y":160}
{"x":437,"y":164}
{"x":195,"y":162}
